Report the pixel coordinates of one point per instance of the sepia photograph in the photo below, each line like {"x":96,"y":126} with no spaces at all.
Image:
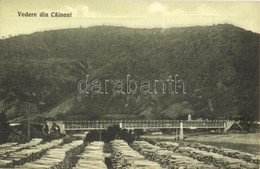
{"x":129,"y":84}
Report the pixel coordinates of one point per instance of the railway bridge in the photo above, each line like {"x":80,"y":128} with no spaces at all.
{"x":144,"y":124}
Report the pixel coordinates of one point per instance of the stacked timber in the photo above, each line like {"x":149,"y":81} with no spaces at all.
{"x":3,"y":149}
{"x":166,"y":158}
{"x":14,"y":154}
{"x":168,"y":145}
{"x":124,"y":157}
{"x":12,"y":147}
{"x":6,"y":145}
{"x":6,"y":163}
{"x":217,"y":160}
{"x":93,"y":157}
{"x":56,"y":158}
{"x":226,"y":152}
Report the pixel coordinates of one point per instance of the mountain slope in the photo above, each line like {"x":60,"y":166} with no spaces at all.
{"x":218,"y":63}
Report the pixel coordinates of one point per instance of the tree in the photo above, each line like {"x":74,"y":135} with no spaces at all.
{"x":4,"y":128}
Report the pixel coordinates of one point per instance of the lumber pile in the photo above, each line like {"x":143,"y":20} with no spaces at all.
{"x":166,"y":158}
{"x":217,"y":160}
{"x":6,"y":163}
{"x":16,"y":154}
{"x":3,"y":149}
{"x":6,"y":145}
{"x":226,"y":152}
{"x":124,"y":157}
{"x":12,"y":147}
{"x":168,"y":145}
{"x":56,"y":158}
{"x":93,"y":157}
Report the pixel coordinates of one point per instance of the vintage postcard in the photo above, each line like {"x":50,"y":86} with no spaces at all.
{"x":129,"y":84}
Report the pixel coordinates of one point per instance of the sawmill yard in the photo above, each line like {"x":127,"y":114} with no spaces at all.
{"x":72,"y":152}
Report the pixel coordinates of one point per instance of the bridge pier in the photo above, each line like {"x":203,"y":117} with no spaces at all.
{"x":181,"y":136}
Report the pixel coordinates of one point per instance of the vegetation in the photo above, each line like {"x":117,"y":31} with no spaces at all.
{"x":4,"y":128}
{"x":110,"y":134}
{"x":219,"y":64}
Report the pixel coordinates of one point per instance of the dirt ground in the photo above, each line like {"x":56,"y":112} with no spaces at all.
{"x":243,"y":142}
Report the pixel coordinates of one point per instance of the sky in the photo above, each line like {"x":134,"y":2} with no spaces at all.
{"x":129,"y":13}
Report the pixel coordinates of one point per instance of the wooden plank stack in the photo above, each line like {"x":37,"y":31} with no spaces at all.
{"x":12,"y":153}
{"x":124,"y":157}
{"x":93,"y":157}
{"x":226,"y":152}
{"x":166,"y":158}
{"x":55,"y":158}
{"x":12,"y":147}
{"x":6,"y":145}
{"x":217,"y":160}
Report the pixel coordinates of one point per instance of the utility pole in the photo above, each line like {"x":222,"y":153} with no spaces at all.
{"x":100,"y":129}
{"x":100,"y":135}
{"x":28,"y":107}
{"x":176,"y":135}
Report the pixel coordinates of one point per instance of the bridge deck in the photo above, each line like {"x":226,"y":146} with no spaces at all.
{"x":142,"y":124}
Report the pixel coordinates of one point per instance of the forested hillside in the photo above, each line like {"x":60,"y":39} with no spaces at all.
{"x":219,"y":63}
